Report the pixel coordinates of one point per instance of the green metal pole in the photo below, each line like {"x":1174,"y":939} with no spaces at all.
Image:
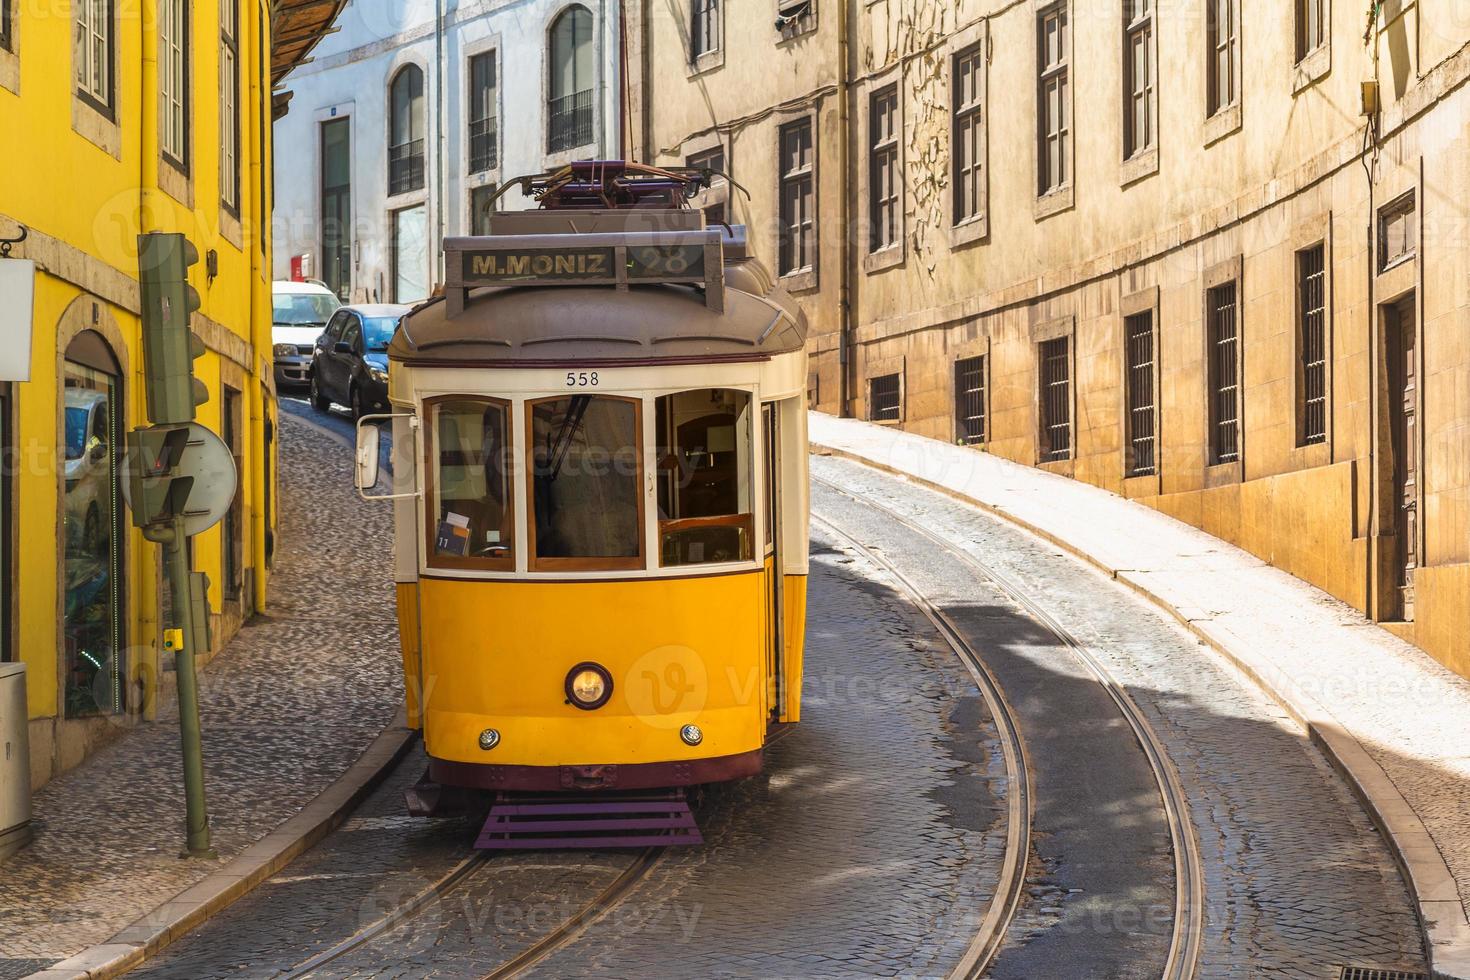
{"x":196,"y":813}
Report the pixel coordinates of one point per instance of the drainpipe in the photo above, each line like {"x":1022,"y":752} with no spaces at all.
{"x":439,"y":140}
{"x":1371,"y":602}
{"x":844,"y":129}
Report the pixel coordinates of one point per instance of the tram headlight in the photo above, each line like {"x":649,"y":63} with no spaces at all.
{"x":589,"y":686}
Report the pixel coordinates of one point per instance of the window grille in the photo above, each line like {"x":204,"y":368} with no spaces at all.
{"x":1056,"y":400}
{"x":1138,"y":60}
{"x":1312,"y":303}
{"x":1398,"y":232}
{"x":1224,"y":38}
{"x":969,"y":400}
{"x":1224,"y":375}
{"x":484,"y":136}
{"x":1054,"y":125}
{"x":1139,"y":341}
{"x":570,"y":96}
{"x":797,"y":221}
{"x":969,"y":136}
{"x":884,"y":399}
{"x":406,"y":131}
{"x":883,"y":176}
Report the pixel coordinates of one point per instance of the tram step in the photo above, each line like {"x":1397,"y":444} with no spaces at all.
{"x":545,"y":822}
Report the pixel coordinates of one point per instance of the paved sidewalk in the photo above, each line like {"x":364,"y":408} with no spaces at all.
{"x":288,"y":707}
{"x":1395,"y":721}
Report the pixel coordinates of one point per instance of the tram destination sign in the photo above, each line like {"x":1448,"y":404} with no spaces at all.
{"x":620,"y":260}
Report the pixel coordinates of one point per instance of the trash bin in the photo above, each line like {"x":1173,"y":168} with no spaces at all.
{"x":15,"y":761}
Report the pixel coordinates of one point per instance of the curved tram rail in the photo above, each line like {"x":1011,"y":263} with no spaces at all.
{"x":998,"y":915}
{"x":1184,"y":947}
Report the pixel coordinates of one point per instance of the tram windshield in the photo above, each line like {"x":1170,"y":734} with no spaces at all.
{"x":586,"y":476}
{"x":471,"y":489}
{"x":704,"y":477}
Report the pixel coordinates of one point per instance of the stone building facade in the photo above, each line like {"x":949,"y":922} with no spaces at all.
{"x":1211,"y":258}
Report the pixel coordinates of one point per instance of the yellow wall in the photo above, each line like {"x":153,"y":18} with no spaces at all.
{"x":85,"y":190}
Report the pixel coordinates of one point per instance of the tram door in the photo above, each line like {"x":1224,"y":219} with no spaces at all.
{"x":775,"y":607}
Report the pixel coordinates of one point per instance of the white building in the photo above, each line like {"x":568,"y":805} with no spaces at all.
{"x":404,"y":122}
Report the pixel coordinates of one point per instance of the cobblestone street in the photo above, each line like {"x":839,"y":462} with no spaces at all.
{"x":286,"y":709}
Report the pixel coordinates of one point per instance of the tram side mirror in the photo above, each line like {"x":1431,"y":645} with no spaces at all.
{"x":369,"y":439}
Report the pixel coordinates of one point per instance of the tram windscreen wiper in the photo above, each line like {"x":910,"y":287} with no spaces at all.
{"x":562,"y":444}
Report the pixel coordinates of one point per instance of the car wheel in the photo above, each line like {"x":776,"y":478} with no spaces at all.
{"x":319,"y":401}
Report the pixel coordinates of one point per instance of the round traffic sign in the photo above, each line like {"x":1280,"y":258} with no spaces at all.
{"x":209,"y":461}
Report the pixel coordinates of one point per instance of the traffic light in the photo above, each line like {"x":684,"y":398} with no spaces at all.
{"x":156,"y":493}
{"x":169,"y":346}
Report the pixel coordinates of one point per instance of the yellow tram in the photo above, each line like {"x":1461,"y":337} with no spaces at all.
{"x":600,"y":475}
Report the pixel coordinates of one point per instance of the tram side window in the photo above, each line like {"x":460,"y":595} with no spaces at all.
{"x":586,"y":475}
{"x":705,"y":513}
{"x":472,"y":491}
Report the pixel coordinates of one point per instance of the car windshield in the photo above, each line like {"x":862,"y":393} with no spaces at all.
{"x":378,"y":331}
{"x":76,"y":432}
{"x":302,"y":309}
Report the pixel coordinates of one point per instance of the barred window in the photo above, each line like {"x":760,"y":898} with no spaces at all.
{"x":1223,"y":35}
{"x":798,"y":228}
{"x":1224,"y":374}
{"x":968,"y":139}
{"x":569,"y":114}
{"x":1138,"y":62}
{"x":406,"y":125}
{"x":1311,"y":26}
{"x":969,"y":400}
{"x":704,"y":28}
{"x":883,"y":176}
{"x":1056,"y":399}
{"x":1398,"y":232}
{"x":1311,"y":268}
{"x":1054,"y":48}
{"x":229,"y":97}
{"x":712,"y":160}
{"x":484,"y":135}
{"x":885,"y":398}
{"x":173,"y":82}
{"x":92,"y":52}
{"x":1139,"y":344}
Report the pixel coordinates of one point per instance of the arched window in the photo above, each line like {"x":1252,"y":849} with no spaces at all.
{"x":406,"y":131}
{"x":569,"y":112}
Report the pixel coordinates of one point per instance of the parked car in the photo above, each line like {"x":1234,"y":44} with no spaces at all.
{"x":350,"y":366}
{"x":299,"y":314}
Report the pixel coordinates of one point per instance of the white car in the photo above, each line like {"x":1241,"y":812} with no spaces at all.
{"x":88,"y":471}
{"x":299,"y":314}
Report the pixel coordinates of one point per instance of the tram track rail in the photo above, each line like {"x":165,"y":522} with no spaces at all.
{"x":996,"y":922}
{"x":1188,"y":927}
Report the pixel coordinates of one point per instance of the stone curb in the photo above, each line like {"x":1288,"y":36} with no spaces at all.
{"x":1441,"y":915}
{"x":249,"y":869}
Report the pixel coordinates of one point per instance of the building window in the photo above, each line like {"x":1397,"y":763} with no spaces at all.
{"x":1223,"y":36}
{"x":1056,"y":399}
{"x":968,"y":139}
{"x":883,"y":176}
{"x":173,"y":82}
{"x":406,"y":126}
{"x":233,"y":542}
{"x":1224,"y":374}
{"x":885,"y":398}
{"x":1139,"y":343}
{"x":1311,"y":271}
{"x":6,"y":13}
{"x":229,"y":96}
{"x":484,"y":137}
{"x":266,"y":174}
{"x":1398,"y":232}
{"x":704,"y":28}
{"x":1054,"y":100}
{"x":1138,"y":73}
{"x":798,"y":228}
{"x":795,"y":17}
{"x":714,"y":161}
{"x":569,"y":114}
{"x":482,"y":198}
{"x":1311,"y":26}
{"x":410,"y":255}
{"x":969,"y":400}
{"x":92,"y":53}
{"x":336,"y":190}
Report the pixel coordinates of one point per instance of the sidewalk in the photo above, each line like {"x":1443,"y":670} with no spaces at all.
{"x":287,"y":709}
{"x":1394,"y":720}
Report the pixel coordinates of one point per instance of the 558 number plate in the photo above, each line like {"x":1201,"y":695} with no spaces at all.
{"x":581,"y":379}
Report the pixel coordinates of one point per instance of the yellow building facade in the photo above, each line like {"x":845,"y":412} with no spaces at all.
{"x":120,"y":119}
{"x":1209,"y":256}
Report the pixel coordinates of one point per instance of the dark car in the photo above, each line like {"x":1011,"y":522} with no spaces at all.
{"x":350,"y":364}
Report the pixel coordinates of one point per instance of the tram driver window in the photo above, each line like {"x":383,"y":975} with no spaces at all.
{"x":471,"y":491}
{"x":586,"y":476}
{"x":705,"y":514}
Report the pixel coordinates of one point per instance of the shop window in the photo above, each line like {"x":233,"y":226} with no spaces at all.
{"x":705,"y":473}
{"x":586,"y":480}
{"x":470,"y":490}
{"x":92,"y":569}
{"x":410,"y":254}
{"x":7,"y":524}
